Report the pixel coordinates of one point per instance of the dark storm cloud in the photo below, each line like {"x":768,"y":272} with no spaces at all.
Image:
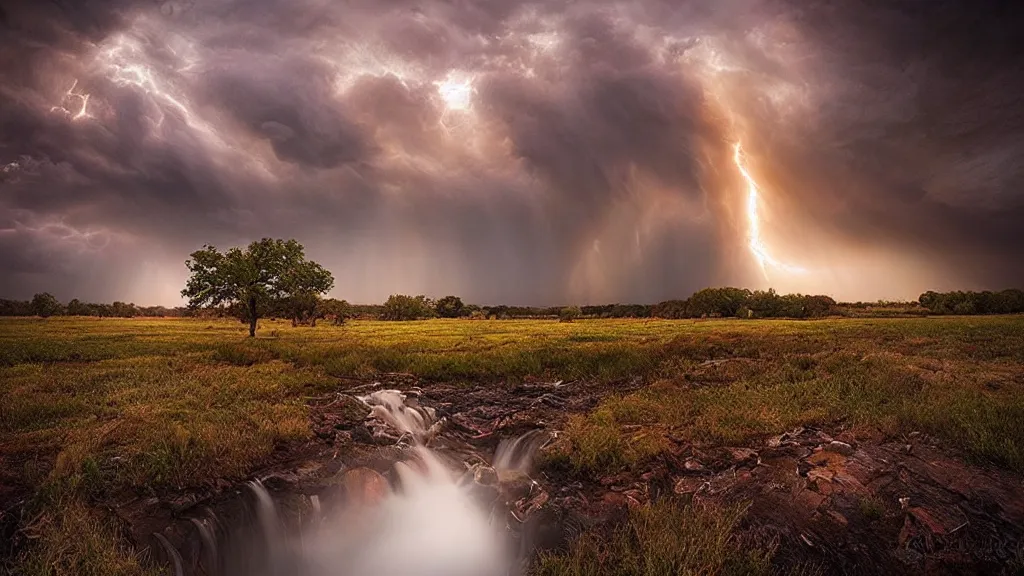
{"x":588,"y":155}
{"x":916,"y":143}
{"x":287,"y":100}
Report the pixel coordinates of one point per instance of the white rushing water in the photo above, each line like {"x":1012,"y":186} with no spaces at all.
{"x":429,"y":525}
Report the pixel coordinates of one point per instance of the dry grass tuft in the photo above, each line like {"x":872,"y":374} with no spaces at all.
{"x":69,"y":539}
{"x":663,"y":538}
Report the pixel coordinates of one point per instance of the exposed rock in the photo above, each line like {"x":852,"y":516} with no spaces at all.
{"x":810,"y":499}
{"x":534,"y":503}
{"x":513,"y":489}
{"x":824,"y":487}
{"x":839,"y":518}
{"x":613,"y":499}
{"x":688,"y":485}
{"x":839,"y":448}
{"x":927,"y":520}
{"x":693,"y":465}
{"x":741,"y":455}
{"x":849,"y":483}
{"x":364,"y":486}
{"x":485,"y":475}
{"x":815,"y":474}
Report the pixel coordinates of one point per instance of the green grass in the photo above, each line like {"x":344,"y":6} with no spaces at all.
{"x":91,"y":407}
{"x":963,"y":384}
{"x":154,"y":420}
{"x":177,"y":402}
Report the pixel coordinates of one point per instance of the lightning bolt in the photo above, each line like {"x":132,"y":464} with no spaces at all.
{"x":125,"y":72}
{"x":83,"y":100}
{"x":754,"y":241}
{"x":125,"y":64}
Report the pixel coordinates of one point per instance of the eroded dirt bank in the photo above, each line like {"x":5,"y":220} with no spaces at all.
{"x":822,"y":497}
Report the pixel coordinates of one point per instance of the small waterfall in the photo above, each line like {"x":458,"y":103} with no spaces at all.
{"x":513,"y":457}
{"x":266,"y":513}
{"x":439,"y":520}
{"x":393,"y":409}
{"x":176,"y":562}
{"x":209,"y":539}
{"x":317,"y":512}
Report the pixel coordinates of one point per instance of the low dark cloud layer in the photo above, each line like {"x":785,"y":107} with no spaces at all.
{"x":516,"y":152}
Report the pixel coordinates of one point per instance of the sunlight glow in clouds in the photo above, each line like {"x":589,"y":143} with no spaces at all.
{"x":456,"y":93}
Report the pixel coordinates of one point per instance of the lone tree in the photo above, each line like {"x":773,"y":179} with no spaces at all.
{"x":569,"y":313}
{"x":253,"y":280}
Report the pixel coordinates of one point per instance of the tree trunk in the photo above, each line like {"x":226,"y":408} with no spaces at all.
{"x":252,"y":316}
{"x":312,"y":322}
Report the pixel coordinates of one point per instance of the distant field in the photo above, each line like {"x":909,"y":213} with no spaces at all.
{"x":90,"y":407}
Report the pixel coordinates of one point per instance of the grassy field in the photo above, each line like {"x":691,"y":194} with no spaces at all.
{"x":93,"y":407}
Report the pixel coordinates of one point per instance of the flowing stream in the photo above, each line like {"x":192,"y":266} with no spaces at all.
{"x":438,"y":515}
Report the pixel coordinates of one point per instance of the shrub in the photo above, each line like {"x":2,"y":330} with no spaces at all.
{"x":959,"y":302}
{"x":403,"y":307}
{"x":45,"y":305}
{"x":569,"y":313}
{"x":450,"y":307}
{"x":671,"y":309}
{"x":336,"y":311}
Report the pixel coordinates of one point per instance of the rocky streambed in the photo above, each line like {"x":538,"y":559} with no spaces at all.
{"x":896,"y":506}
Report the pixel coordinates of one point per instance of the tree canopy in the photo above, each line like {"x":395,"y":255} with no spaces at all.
{"x":403,"y":307}
{"x":449,"y":307}
{"x":264,"y":275}
{"x":45,"y":305}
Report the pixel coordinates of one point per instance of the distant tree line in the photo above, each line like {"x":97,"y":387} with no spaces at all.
{"x":1003,"y":302}
{"x":742,"y":303}
{"x":272,"y":278}
{"x":45,"y":304}
{"x":707,"y":303}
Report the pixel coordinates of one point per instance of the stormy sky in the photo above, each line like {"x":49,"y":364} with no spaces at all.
{"x":515,"y":152}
